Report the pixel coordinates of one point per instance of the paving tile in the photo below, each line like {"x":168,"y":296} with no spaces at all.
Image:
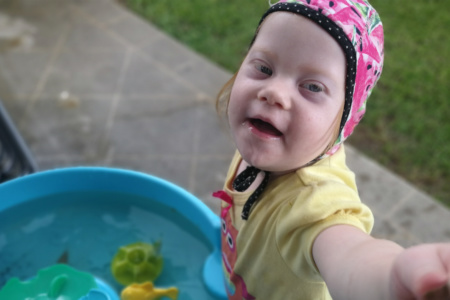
{"x":426,"y":219}
{"x":5,"y":4}
{"x":173,"y":169}
{"x":384,"y":229}
{"x":135,"y":30}
{"x":156,"y":127}
{"x":214,"y":137}
{"x":41,"y":26}
{"x":51,"y":162}
{"x":169,"y":52}
{"x":89,"y":36}
{"x":209,"y":177}
{"x":20,"y":71}
{"x":16,"y":107}
{"x":206,"y":76}
{"x":26,"y":6}
{"x":380,"y":189}
{"x":47,"y":31}
{"x":104,"y":11}
{"x":52,"y":129}
{"x":85,"y":72}
{"x":144,"y":77}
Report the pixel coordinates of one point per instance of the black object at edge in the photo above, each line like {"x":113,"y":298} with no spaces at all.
{"x":15,"y":157}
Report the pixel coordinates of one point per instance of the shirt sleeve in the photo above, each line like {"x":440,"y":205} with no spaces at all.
{"x":313,"y":209}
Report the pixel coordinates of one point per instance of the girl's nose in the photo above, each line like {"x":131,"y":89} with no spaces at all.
{"x":276,"y":94}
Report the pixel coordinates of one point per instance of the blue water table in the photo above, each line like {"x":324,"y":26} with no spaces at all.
{"x":80,"y":217}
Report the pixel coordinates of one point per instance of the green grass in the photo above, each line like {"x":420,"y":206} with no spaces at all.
{"x":407,"y":126}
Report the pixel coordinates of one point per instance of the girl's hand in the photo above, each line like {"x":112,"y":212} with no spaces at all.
{"x":422,"y":272}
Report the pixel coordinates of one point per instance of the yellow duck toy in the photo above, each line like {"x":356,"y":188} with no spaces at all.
{"x":146,"y":291}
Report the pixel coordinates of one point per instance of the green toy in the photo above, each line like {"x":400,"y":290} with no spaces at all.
{"x":55,"y":282}
{"x":137,"y":263}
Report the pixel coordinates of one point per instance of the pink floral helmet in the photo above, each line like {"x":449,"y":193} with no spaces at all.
{"x":357,"y":28}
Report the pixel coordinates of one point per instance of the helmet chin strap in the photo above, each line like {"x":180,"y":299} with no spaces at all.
{"x":243,"y":181}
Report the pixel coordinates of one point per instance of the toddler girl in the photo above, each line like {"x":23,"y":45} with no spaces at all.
{"x":293,"y":224}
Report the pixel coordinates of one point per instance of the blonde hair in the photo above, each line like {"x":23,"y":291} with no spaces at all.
{"x":223,"y":98}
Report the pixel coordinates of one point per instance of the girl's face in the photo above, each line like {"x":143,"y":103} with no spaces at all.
{"x":288,"y":94}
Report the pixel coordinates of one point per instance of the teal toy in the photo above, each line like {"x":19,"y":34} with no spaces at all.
{"x":55,"y":282}
{"x":137,"y":263}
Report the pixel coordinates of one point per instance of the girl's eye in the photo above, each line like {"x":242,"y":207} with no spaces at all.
{"x":312,"y":87}
{"x":264,"y":69}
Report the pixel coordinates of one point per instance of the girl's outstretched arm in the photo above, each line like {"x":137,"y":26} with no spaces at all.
{"x":357,"y":266}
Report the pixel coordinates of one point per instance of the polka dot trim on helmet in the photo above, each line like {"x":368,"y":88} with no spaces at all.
{"x":338,"y":34}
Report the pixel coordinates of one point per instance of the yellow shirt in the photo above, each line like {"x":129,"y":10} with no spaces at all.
{"x":274,"y":246}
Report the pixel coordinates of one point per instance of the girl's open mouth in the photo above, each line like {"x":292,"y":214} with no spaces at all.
{"x":265,"y":127}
